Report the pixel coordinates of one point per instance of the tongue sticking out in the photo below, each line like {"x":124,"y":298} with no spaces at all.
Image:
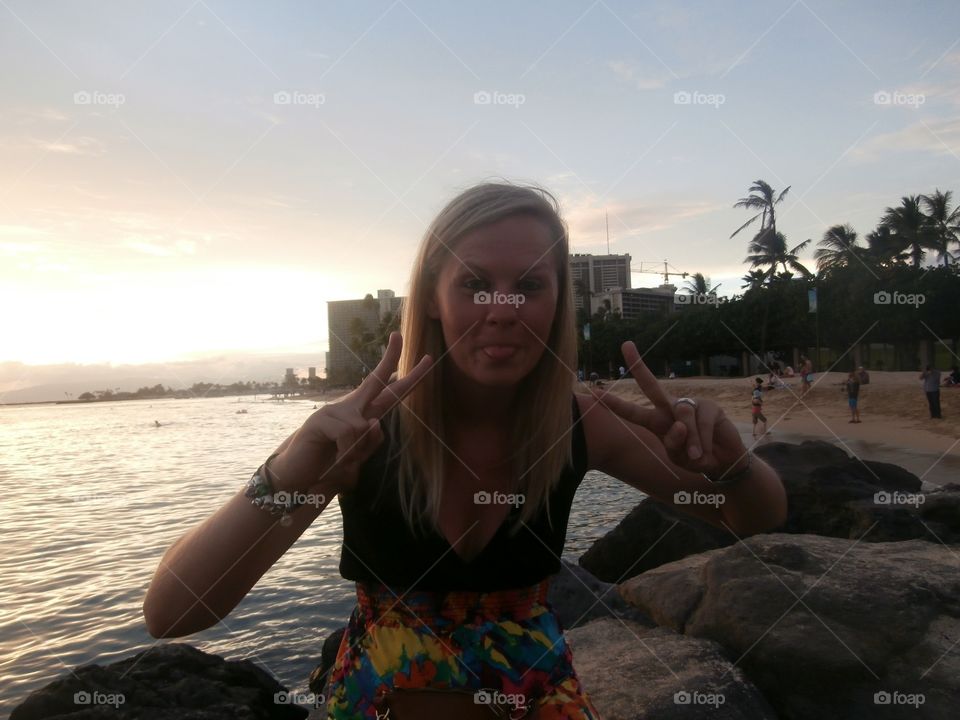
{"x":499,"y":352}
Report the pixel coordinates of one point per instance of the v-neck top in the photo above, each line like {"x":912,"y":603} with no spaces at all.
{"x":379,"y":547}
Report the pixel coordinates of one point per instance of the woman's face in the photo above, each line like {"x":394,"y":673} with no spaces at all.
{"x":496,"y":298}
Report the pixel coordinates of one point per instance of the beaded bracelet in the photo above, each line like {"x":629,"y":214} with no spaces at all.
{"x":262,"y":494}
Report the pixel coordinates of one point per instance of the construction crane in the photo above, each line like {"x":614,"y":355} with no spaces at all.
{"x":665,"y":272}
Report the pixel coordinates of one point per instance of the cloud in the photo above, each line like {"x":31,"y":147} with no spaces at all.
{"x":80,"y":146}
{"x":641,"y":79}
{"x":586,"y":216}
{"x":160,"y":246}
{"x":940,"y":137}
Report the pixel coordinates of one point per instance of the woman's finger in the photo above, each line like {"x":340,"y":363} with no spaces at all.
{"x":707,"y":419}
{"x":687,"y":414}
{"x":397,"y":390}
{"x":374,"y":383}
{"x":645,"y":379}
{"x":630,"y":411}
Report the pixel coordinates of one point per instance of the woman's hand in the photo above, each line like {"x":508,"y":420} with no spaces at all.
{"x":336,"y":440}
{"x":700,"y":439}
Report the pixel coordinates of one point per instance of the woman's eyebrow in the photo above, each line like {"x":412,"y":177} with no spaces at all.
{"x":476,"y":268}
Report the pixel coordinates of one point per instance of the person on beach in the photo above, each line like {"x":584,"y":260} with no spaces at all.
{"x":852,"y":386}
{"x":756,"y":403}
{"x":863,"y":376}
{"x":806,"y":374}
{"x":931,"y":386}
{"x":953,"y":379}
{"x":455,"y":463}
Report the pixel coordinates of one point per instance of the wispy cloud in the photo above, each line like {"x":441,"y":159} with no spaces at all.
{"x":586,"y":217}
{"x":640,"y":78}
{"x":160,"y":247}
{"x":80,"y":146}
{"x":940,"y":137}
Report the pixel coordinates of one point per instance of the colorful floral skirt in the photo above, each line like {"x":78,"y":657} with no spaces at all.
{"x":506,"y":645}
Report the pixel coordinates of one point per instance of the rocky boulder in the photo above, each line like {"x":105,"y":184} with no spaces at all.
{"x":167,"y":682}
{"x":650,"y":535}
{"x":824,"y":627}
{"x":828,"y":493}
{"x":633,"y":672}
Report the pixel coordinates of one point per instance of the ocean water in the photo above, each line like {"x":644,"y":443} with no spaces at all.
{"x":92,"y":496}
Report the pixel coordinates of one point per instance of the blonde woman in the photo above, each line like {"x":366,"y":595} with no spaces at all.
{"x":456,"y":462}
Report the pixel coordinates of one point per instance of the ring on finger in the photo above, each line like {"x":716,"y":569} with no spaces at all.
{"x":686,"y":401}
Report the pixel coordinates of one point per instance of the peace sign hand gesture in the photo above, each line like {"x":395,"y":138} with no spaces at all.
{"x":336,"y":440}
{"x":695,"y":433}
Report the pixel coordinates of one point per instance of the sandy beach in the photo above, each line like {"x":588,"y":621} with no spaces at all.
{"x":893,"y":408}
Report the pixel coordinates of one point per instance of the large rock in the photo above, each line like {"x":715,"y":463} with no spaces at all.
{"x":328,"y":658}
{"x":650,"y":535}
{"x":832,"y":494}
{"x":633,"y":672}
{"x":825,"y":627}
{"x":828,"y":493}
{"x":578,"y":597}
{"x":167,"y":682}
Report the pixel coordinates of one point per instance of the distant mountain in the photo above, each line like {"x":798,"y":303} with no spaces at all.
{"x":21,"y":383}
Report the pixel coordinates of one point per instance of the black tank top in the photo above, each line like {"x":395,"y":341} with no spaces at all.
{"x":378,"y":546}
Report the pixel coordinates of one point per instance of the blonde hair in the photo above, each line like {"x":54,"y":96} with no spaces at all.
{"x":543,"y":416}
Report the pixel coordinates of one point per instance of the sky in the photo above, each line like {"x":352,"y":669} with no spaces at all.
{"x":195,"y":179}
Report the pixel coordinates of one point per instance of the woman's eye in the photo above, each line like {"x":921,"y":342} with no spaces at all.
{"x":475,"y":284}
{"x":530,"y":285}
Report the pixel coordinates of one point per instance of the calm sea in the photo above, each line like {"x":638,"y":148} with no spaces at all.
{"x":92,"y":495}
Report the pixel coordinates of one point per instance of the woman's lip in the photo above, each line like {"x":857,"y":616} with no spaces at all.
{"x":499,"y":352}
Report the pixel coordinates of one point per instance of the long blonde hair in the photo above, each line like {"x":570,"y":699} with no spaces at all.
{"x":543,"y":415}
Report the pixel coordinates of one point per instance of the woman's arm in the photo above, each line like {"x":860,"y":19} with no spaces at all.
{"x":635,"y":455}
{"x":203,"y":576}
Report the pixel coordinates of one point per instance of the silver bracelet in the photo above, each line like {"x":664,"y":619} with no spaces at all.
{"x":262,"y":494}
{"x":726,"y":481}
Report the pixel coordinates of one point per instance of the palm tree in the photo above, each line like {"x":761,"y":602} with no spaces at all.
{"x":700,"y":285}
{"x":754,"y":279}
{"x":761,"y":198}
{"x":909,"y":225}
{"x":943,"y":223}
{"x":839,"y":243}
{"x":770,"y":249}
{"x":885,"y":249}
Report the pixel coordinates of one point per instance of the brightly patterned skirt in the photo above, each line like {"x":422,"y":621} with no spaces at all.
{"x":508,"y":645}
